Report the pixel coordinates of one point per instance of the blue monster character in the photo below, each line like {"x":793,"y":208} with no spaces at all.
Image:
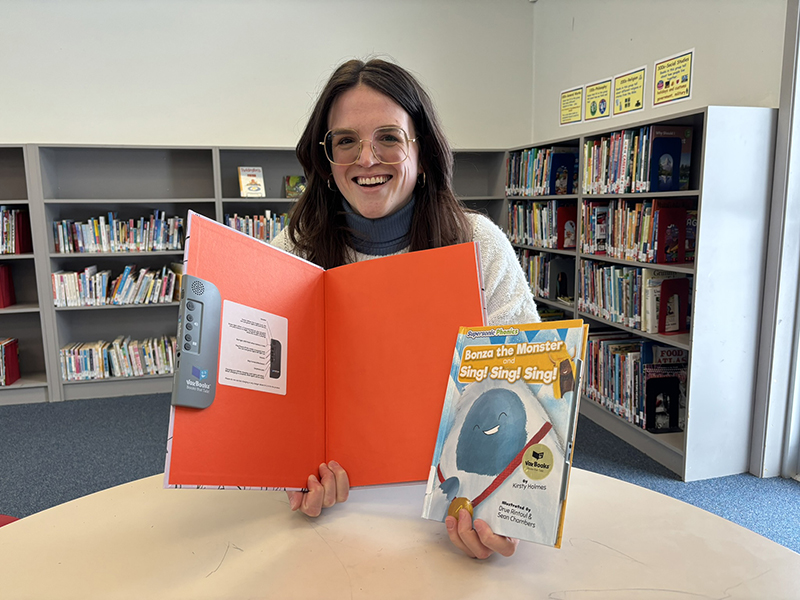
{"x":479,"y":467}
{"x":493,"y":433}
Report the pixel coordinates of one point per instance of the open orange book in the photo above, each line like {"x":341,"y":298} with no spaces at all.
{"x":349,"y":364}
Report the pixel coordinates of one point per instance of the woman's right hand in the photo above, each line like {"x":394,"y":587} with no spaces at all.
{"x":332,"y":486}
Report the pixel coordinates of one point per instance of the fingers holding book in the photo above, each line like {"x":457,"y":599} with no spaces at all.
{"x":478,"y":542}
{"x":332,"y":486}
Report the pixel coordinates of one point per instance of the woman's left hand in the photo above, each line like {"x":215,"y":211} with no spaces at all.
{"x":480,"y":542}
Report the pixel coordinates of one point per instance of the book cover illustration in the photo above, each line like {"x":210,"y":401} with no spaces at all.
{"x":563,"y":171}
{"x":504,"y":446}
{"x":294,"y":186}
{"x":251,"y":182}
{"x":566,"y":217}
{"x":665,"y":390}
{"x":670,"y":158}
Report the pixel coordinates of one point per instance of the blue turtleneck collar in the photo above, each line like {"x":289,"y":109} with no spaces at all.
{"x":380,"y":237}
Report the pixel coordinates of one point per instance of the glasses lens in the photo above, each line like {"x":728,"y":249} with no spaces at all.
{"x":390,"y":145}
{"x":341,"y":146}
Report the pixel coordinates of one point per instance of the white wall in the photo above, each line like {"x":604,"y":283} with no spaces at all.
{"x":738,"y":52}
{"x":245,"y":72}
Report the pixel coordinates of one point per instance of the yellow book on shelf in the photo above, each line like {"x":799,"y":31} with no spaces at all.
{"x":251,"y":182}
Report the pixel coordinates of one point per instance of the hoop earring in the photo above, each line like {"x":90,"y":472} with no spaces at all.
{"x":424,"y":180}
{"x":329,"y":185}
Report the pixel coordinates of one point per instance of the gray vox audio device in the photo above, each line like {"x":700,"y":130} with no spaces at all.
{"x":195,"y":382}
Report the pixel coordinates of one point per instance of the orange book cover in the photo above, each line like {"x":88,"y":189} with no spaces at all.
{"x":365,"y":353}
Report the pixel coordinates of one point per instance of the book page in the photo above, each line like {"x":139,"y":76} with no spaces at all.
{"x":253,"y":346}
{"x":251,"y":436}
{"x":391,"y":324}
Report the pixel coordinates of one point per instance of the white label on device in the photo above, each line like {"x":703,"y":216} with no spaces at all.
{"x":246,"y":349}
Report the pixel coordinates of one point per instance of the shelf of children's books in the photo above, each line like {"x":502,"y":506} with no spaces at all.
{"x":566,"y":252}
{"x":117,"y":386}
{"x":92,"y":255}
{"x":113,"y":306}
{"x":29,"y":388}
{"x":20,"y":308}
{"x":111,"y":201}
{"x":566,"y":306}
{"x":542,"y":197}
{"x":666,"y":448}
{"x":672,"y":267}
{"x":679,"y":340}
{"x":645,"y":195}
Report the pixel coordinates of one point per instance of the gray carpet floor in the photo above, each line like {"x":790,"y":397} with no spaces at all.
{"x":53,"y":453}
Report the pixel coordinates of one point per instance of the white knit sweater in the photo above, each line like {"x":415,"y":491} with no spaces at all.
{"x":508,"y":296}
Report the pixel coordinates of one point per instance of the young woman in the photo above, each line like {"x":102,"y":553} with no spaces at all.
{"x":379,"y":182}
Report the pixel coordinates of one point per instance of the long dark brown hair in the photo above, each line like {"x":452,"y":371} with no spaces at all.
{"x":317,"y":224}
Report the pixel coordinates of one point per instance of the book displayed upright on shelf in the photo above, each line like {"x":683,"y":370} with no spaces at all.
{"x":294,"y":186}
{"x":7,"y":295}
{"x":364,"y":354}
{"x":251,"y":182}
{"x":504,"y":447}
{"x":670,"y":235}
{"x":9,"y":361}
{"x":566,"y":220}
{"x":670,"y":158}
{"x":563,"y":171}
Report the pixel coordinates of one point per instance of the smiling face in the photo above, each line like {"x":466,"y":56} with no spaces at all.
{"x":373,"y":189}
{"x":493,"y":433}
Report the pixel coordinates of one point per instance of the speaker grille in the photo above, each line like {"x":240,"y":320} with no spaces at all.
{"x":198,"y":288}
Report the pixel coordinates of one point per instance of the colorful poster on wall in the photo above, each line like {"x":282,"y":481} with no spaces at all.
{"x":672,"y":78}
{"x":629,"y":91}
{"x":571,"y":106}
{"x":598,"y":100}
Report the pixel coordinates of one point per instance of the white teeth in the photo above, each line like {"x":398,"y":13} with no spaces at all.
{"x":372,"y":180}
{"x":492,"y":431}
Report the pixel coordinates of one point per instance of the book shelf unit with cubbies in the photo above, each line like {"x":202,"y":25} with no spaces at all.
{"x":729,"y":187}
{"x":126,"y":185}
{"x":22,"y":320}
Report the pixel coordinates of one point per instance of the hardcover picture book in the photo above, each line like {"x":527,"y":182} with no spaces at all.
{"x":289,"y":365}
{"x":665,"y":387}
{"x":563,"y":171}
{"x":294,"y":186}
{"x":505,"y":439}
{"x":670,"y":158}
{"x":251,"y":182}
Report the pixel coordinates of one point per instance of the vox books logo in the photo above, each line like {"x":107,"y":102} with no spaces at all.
{"x":199,"y":373}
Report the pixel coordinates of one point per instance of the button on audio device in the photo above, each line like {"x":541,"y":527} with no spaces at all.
{"x":197,"y":357}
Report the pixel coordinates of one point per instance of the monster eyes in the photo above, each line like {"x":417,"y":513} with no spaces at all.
{"x":502,"y":414}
